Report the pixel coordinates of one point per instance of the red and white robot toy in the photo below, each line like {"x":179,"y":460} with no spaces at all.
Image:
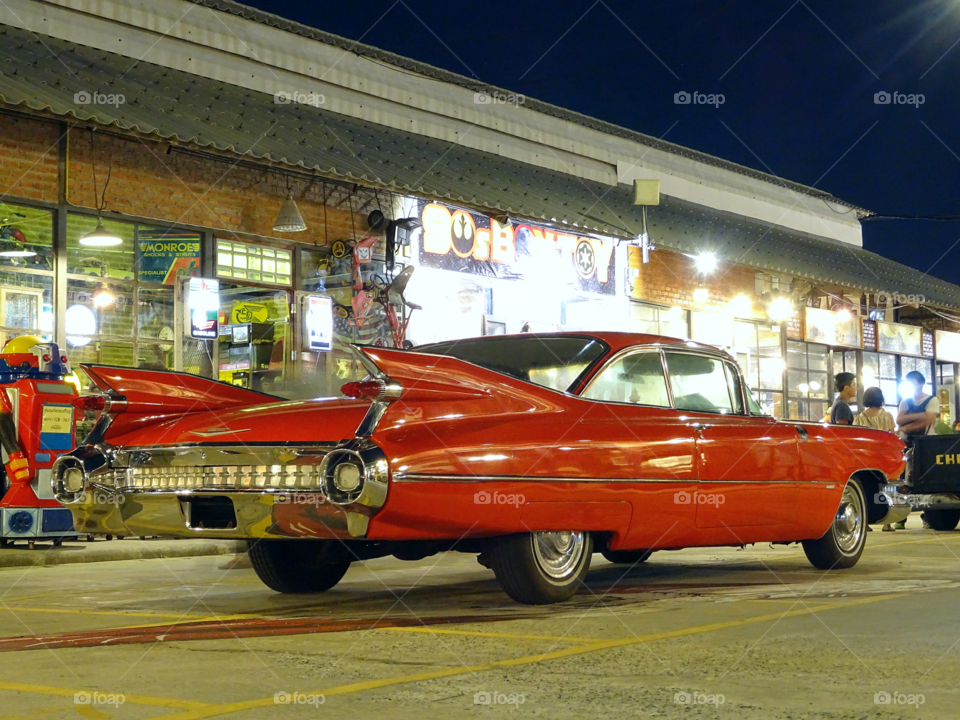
{"x":36,"y":427}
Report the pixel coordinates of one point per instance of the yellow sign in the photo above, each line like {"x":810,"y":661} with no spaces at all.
{"x":249,"y":312}
{"x":56,"y":419}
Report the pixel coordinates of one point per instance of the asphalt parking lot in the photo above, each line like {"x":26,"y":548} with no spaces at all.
{"x":753,"y":633}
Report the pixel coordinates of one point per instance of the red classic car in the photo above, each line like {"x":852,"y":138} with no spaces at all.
{"x":532,"y":451}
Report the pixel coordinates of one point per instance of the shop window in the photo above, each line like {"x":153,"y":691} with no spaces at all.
{"x":26,"y":272}
{"x":809,"y":384}
{"x":120,"y":297}
{"x":654,"y":320}
{"x":757,"y":350}
{"x":921,"y":365}
{"x":255,"y":263}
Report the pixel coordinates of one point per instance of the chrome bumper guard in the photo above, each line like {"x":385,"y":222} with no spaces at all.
{"x":223,"y":491}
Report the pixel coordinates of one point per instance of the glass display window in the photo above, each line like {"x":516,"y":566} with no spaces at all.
{"x":656,"y":320}
{"x":809,"y":382}
{"x":26,"y":272}
{"x":757,"y":349}
{"x":120,"y":300}
{"x":255,"y":263}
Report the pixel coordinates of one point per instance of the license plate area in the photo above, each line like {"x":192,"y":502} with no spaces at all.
{"x":209,"y":513}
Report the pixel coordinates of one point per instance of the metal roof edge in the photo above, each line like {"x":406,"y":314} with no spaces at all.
{"x":476,"y":85}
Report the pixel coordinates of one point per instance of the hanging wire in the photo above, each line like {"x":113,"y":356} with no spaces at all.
{"x":326,"y":236}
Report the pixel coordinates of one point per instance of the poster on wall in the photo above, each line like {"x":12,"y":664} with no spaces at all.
{"x":467,"y":242}
{"x":900,"y":339}
{"x":162,"y":256}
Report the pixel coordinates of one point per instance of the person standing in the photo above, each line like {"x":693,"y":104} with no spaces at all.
{"x":846,"y":385}
{"x":917,"y":415}
{"x":874,"y":416}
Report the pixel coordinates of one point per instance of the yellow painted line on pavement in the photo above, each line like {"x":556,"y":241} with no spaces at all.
{"x":504,"y":636}
{"x":135,"y":699}
{"x":228,"y":708}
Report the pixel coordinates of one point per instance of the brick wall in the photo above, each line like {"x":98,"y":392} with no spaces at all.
{"x":28,"y":158}
{"x":671,"y":278}
{"x":174,"y":186}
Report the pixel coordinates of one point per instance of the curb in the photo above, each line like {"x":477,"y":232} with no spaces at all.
{"x":114,"y":550}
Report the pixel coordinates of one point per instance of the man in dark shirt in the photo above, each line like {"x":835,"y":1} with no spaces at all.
{"x":840,"y":413}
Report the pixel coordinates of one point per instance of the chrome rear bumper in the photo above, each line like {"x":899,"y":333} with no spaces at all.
{"x":274,"y":491}
{"x":255,"y":514}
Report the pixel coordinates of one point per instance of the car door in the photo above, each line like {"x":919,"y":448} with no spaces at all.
{"x":632,"y":417}
{"x":747,"y":466}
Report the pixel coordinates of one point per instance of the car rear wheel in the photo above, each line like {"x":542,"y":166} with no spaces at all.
{"x":296,"y":566}
{"x":626,"y":557}
{"x":842,"y":545}
{"x":542,"y":567}
{"x":942,"y":519}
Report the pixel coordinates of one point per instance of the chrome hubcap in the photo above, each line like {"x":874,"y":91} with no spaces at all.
{"x":558,"y":553}
{"x":848,"y":525}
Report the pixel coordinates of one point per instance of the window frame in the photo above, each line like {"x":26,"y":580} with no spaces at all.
{"x":724,"y":361}
{"x":714,"y":355}
{"x":622,"y":355}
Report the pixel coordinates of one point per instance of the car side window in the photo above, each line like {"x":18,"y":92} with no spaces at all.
{"x":636,"y":378}
{"x":699,"y":383}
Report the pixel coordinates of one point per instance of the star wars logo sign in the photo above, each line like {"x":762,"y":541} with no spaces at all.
{"x":458,"y":240}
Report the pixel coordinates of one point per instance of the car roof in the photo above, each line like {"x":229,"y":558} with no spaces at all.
{"x":615,"y":340}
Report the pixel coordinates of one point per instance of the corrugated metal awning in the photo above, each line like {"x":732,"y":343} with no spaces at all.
{"x":43,"y":74}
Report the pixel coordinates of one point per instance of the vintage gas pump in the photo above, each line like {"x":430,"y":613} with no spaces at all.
{"x":36,"y":426}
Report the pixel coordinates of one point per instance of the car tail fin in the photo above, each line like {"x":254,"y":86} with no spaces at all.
{"x":135,"y":397}
{"x":395,"y":374}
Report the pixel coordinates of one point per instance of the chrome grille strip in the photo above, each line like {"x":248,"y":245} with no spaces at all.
{"x":217,"y":477}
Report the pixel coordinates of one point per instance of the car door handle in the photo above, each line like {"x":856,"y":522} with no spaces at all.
{"x":700,"y":427}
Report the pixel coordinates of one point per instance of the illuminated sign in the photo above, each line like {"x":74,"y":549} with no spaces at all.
{"x":203,"y":308}
{"x":463,"y":241}
{"x":948,"y":346}
{"x":319,"y":319}
{"x":832,"y":328}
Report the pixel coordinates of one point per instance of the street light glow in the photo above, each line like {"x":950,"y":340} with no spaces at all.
{"x":706,"y":262}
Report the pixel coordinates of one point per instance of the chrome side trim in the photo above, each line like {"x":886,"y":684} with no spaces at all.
{"x":430,"y":477}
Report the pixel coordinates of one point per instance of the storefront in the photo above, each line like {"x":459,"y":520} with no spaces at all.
{"x":477,"y":275}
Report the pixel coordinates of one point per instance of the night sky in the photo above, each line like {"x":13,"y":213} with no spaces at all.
{"x":799,"y":80}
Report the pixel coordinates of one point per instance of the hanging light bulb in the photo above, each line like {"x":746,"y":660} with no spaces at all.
{"x":14,"y":251}
{"x":780,"y":310}
{"x":289,"y":218}
{"x":100,"y":237}
{"x":102,"y":297}
{"x":740,"y":306}
{"x":706,"y":262}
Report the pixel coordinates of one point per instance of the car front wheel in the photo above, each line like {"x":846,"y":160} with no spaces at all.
{"x":842,"y":545}
{"x":542,"y":567}
{"x":297,"y":566}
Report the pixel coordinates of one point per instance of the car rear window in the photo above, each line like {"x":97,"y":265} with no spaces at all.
{"x":556,"y":362}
